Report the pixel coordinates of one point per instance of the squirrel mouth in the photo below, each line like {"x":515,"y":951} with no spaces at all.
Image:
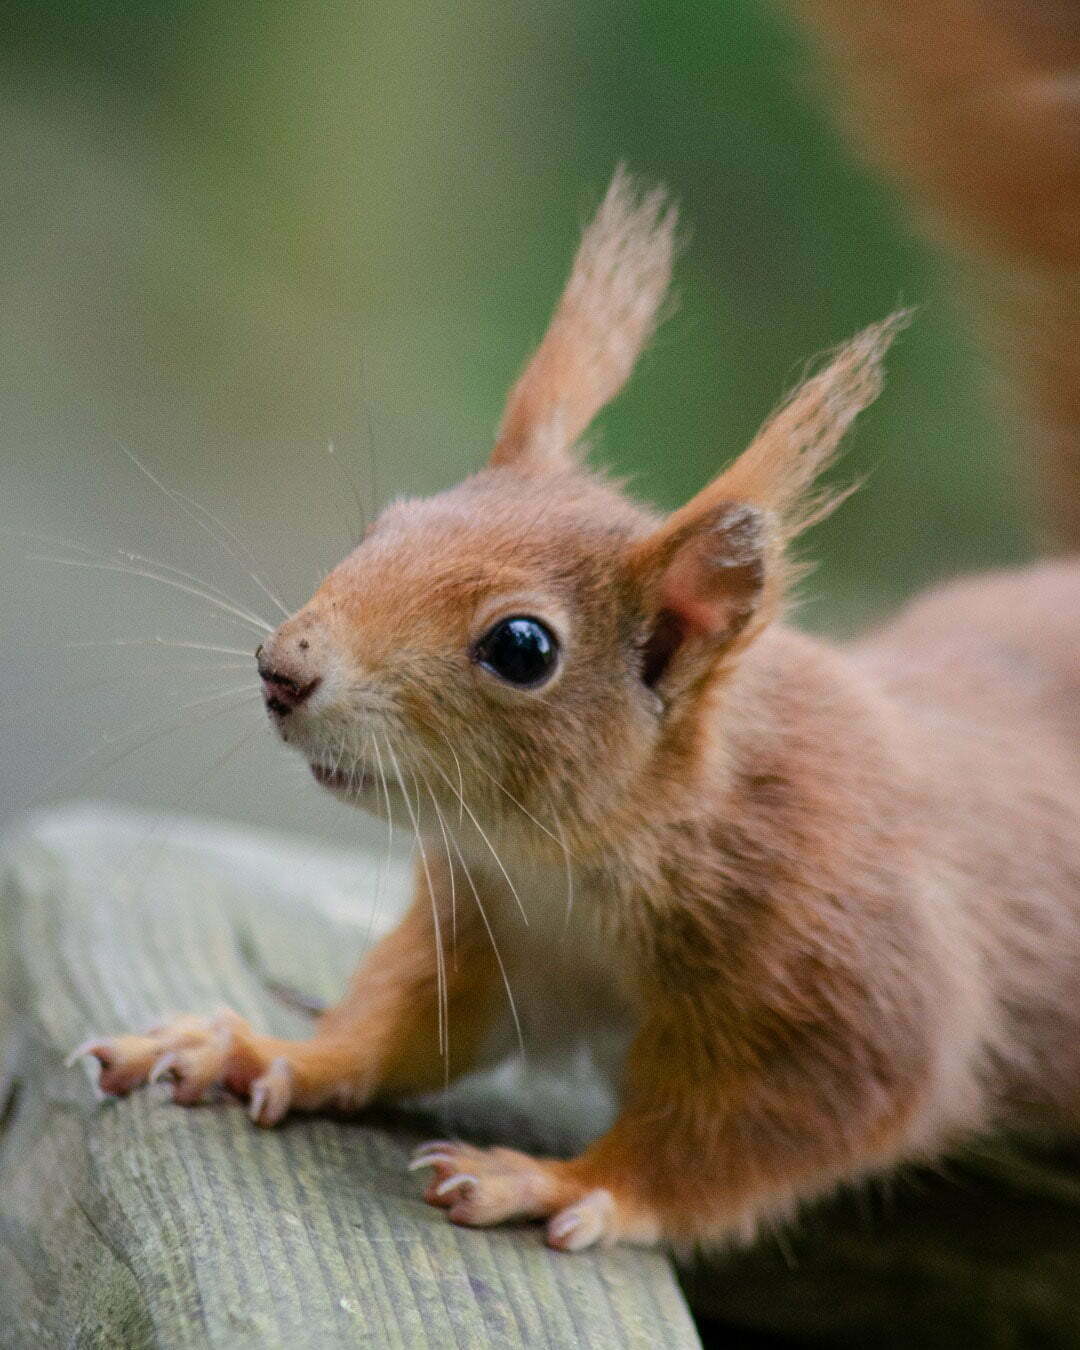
{"x":342,"y":780}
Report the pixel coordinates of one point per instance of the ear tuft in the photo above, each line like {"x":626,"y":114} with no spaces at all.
{"x":715,"y":573}
{"x":607,"y":314}
{"x":801,"y":439}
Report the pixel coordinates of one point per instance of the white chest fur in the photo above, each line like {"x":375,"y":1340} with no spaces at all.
{"x":566,"y":969}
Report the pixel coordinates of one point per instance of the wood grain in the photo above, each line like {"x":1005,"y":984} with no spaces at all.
{"x":135,"y":1223}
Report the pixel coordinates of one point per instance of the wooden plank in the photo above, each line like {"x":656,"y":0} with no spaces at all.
{"x":136,"y":1223}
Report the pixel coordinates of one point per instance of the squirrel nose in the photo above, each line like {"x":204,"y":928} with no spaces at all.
{"x":285,"y":686}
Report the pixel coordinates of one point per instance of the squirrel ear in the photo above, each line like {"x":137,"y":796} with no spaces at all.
{"x":706,"y":579}
{"x":606,"y":315}
{"x":716,"y":572}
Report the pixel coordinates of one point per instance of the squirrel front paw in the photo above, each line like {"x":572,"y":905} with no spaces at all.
{"x":198,"y":1055}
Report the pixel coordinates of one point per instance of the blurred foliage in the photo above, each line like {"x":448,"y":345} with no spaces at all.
{"x":235,"y":231}
{"x":354,"y":202}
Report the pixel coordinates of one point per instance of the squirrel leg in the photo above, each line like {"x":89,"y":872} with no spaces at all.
{"x":200,"y":1054}
{"x":697,"y":1154}
{"x":406,"y":1024}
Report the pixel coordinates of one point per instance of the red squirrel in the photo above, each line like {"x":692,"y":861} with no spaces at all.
{"x":818,"y":906}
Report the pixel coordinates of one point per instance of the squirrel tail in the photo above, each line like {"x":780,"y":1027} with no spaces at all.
{"x":974,"y":107}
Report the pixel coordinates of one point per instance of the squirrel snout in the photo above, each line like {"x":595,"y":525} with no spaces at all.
{"x":287,"y":678}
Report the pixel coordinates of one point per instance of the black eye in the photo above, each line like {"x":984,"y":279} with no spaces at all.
{"x":521,"y":651}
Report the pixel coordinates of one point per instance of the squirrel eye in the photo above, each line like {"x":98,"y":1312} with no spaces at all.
{"x":520,"y":650}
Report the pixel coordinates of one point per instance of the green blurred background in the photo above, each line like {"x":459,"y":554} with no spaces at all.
{"x":236,"y":232}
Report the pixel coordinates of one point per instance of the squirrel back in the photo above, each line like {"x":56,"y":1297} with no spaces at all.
{"x":973,"y":106}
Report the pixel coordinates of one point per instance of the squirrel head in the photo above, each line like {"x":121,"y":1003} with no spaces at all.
{"x":522,"y":652}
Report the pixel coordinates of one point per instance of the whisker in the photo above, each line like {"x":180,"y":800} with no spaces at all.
{"x":188,"y":505}
{"x":242,"y":742}
{"x":250,"y":619}
{"x":460,"y":778}
{"x":569,"y":871}
{"x":449,"y":863}
{"x":440,"y":968}
{"x":373,"y":470}
{"x":559,"y":838}
{"x":480,"y":830}
{"x":15,"y":708}
{"x":445,"y":983}
{"x":110,"y":555}
{"x":160,"y":642}
{"x":158,"y":731}
{"x":507,"y":793}
{"x":182,"y":498}
{"x":381,"y":884}
{"x":339,"y":756}
{"x":386,"y":799}
{"x":344,"y":464}
{"x":438,"y":944}
{"x":494,"y":944}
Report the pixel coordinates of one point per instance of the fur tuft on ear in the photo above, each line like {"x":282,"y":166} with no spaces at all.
{"x":607,"y":314}
{"x":715,"y":572}
{"x":779,"y":468}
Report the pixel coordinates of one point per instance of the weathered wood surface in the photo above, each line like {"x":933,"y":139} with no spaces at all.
{"x":136,"y":1223}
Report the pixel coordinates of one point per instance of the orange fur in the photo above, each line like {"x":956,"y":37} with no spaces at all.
{"x":817,"y":909}
{"x":974,"y":105}
{"x":606,"y":315}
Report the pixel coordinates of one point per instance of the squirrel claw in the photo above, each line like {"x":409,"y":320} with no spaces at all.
{"x":428,"y":1158}
{"x":463,"y":1182}
{"x":93,"y":1046}
{"x":582,"y":1224}
{"x":271,"y":1095}
{"x":163,"y":1067}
